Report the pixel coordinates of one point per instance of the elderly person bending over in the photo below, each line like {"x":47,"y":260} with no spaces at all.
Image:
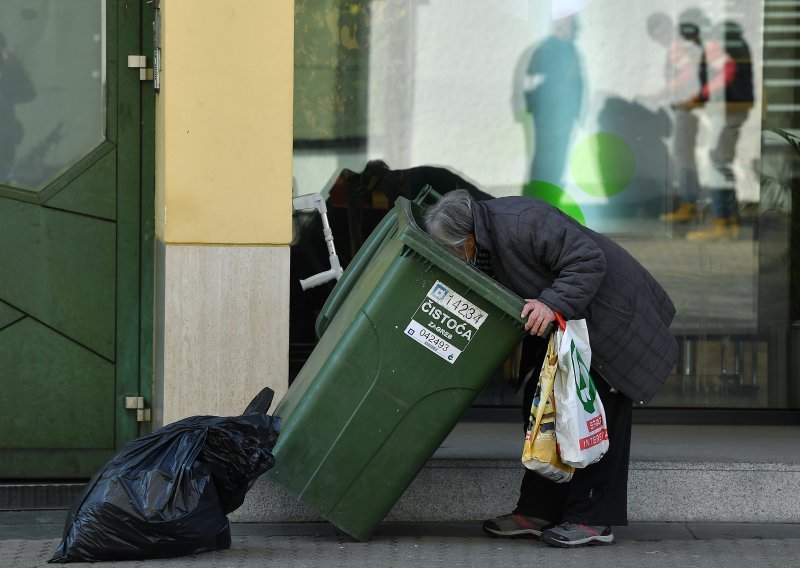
{"x":561,"y":266}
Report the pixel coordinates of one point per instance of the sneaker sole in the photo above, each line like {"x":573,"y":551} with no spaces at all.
{"x":522,"y":533}
{"x":589,"y":541}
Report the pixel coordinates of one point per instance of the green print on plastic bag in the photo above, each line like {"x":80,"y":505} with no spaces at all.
{"x":583,"y":380}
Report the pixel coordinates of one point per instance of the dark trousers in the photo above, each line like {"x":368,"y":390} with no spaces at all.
{"x":598,"y":494}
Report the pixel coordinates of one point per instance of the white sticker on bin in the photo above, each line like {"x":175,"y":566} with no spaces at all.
{"x":445,"y":322}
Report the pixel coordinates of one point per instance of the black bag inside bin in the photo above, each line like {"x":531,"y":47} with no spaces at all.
{"x":168,"y":493}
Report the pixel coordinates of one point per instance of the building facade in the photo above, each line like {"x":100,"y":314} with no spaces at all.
{"x":150,"y":151}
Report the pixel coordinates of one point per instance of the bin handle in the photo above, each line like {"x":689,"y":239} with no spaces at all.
{"x":427,"y":195}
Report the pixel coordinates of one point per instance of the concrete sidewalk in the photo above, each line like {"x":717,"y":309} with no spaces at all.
{"x":28,"y":539}
{"x":702,"y":474}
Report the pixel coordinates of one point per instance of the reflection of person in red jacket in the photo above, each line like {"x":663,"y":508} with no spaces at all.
{"x":727,"y":97}
{"x":684,"y":73}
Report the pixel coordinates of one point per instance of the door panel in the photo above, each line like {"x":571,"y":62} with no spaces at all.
{"x":9,"y":315}
{"x":70,"y":233}
{"x":92,"y":193}
{"x":59,"y":269}
{"x":70,"y":412}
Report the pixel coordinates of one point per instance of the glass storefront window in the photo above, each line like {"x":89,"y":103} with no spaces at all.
{"x":669,"y":125}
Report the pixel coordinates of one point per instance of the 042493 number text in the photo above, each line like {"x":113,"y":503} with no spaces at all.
{"x":434,"y":340}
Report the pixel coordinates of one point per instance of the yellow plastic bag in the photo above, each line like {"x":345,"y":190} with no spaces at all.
{"x":540,"y":452}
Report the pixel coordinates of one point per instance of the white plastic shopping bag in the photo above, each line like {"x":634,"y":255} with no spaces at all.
{"x":580,"y":418}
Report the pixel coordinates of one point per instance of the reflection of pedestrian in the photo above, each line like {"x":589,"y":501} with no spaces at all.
{"x":553,"y":95}
{"x":685,"y":72}
{"x":727,"y":98}
{"x":15,"y":87}
{"x":540,"y":253}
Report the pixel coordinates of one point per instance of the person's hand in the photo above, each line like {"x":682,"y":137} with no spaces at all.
{"x":539,"y":317}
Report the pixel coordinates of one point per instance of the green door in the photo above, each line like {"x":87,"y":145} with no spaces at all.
{"x":72,"y":205}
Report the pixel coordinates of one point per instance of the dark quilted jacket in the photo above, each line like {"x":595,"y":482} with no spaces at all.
{"x":539,"y":252}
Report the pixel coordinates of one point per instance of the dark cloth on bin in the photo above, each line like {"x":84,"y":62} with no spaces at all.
{"x":597,"y":494}
{"x":378,"y":176}
{"x":167,"y":494}
{"x":541,"y":253}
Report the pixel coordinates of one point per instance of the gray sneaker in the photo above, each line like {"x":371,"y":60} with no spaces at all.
{"x":514,"y":525}
{"x":571,"y":535}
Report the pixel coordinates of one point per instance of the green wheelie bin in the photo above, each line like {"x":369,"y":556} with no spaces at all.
{"x":404,"y":353}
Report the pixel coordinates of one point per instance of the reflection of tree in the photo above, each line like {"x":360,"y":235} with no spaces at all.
{"x":32,"y":168}
{"x":15,"y":87}
{"x":331,"y":69}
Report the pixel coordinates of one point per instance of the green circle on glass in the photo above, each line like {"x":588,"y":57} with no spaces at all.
{"x":602,"y":164}
{"x":556,"y":197}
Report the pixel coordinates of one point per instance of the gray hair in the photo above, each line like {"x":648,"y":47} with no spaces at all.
{"x":451,"y":220}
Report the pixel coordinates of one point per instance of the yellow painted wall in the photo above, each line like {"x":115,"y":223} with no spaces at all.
{"x":224,"y":122}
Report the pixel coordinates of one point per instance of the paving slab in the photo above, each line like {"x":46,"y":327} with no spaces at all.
{"x":393,"y":547}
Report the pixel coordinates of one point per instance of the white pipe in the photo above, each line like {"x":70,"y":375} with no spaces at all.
{"x":315,"y":201}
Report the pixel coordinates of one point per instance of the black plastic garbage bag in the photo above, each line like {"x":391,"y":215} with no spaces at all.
{"x":168,"y":493}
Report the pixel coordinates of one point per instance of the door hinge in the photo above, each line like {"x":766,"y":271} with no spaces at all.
{"x":140,"y":62}
{"x":137,"y":403}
